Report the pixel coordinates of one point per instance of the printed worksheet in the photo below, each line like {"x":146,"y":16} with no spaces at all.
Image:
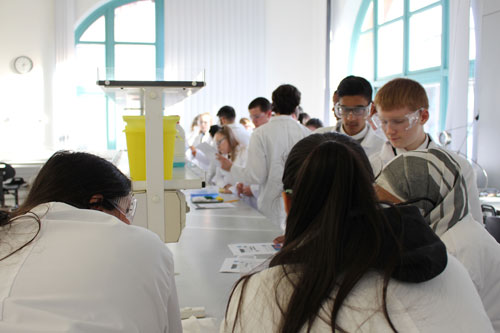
{"x":240,"y":265}
{"x":252,"y":249}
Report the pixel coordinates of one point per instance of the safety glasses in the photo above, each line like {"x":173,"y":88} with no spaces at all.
{"x":356,"y":111}
{"x":126,"y":206}
{"x":403,"y":123}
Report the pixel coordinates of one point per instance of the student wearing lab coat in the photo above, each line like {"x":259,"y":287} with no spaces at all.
{"x":402,"y":109}
{"x":354,"y":95}
{"x":201,"y":133}
{"x":260,"y":112}
{"x":227,"y":117}
{"x":348,"y":264}
{"x":247,"y":123}
{"x":432,"y":180}
{"x":269,"y":146}
{"x":229,"y":147}
{"x":70,"y":261}
{"x":204,"y":155}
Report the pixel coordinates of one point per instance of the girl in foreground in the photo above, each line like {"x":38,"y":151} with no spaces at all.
{"x":349,"y":265}
{"x":69,"y":261}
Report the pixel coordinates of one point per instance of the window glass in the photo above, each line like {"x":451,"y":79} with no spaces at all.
{"x":434,"y":95}
{"x":130,"y":55}
{"x":417,"y":4}
{"x":135,"y":62}
{"x":470,"y":117}
{"x":368,"y":21}
{"x":389,"y":10}
{"x":470,"y":95}
{"x":425,"y":39}
{"x":390,"y":49}
{"x":135,"y":22}
{"x":90,"y":58}
{"x":472,"y":37}
{"x":89,"y":130}
{"x":363,"y":59}
{"x":95,"y":32}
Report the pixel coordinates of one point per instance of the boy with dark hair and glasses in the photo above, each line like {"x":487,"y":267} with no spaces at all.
{"x":352,"y":110}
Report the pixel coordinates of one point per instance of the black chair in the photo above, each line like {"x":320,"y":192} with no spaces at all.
{"x":492,"y":224}
{"x":7,"y":172}
{"x":488,"y":210}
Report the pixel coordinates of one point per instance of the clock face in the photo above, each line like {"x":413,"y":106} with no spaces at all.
{"x":23,"y":64}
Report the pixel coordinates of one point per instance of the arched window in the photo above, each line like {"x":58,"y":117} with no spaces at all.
{"x":121,"y":40}
{"x":404,"y":38}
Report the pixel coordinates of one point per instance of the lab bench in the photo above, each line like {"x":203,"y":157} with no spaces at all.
{"x":202,"y":248}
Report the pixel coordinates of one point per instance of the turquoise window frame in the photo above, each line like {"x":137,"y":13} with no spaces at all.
{"x":438,"y":74}
{"x":107,"y":10}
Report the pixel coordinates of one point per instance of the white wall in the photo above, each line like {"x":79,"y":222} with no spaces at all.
{"x":225,"y":38}
{"x":489,"y":89}
{"x":344,"y":14}
{"x":295,"y":49}
{"x":27,"y":28}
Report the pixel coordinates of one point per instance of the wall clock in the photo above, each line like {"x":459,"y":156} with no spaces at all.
{"x":23,"y":64}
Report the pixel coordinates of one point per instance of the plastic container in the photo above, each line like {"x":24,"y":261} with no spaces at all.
{"x":180,"y":147}
{"x":135,"y":132}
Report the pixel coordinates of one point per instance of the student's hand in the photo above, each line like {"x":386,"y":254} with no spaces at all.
{"x":279,"y":239}
{"x":226,"y":189}
{"x":225,"y":163}
{"x":193,"y":150}
{"x":239,"y":188}
{"x":247,"y":191}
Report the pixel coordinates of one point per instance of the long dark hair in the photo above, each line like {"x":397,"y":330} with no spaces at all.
{"x":335,"y":230}
{"x":72,"y":178}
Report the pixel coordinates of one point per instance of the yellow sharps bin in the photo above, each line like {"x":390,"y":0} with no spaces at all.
{"x":135,"y":132}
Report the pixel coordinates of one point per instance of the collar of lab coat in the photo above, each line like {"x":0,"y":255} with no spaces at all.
{"x":358,"y":137}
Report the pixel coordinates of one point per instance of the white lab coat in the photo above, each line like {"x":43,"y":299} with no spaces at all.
{"x":479,"y":252}
{"x":240,"y":133}
{"x":86,"y":271}
{"x":446,"y":303}
{"x":220,"y":177}
{"x":205,"y":155}
{"x":201,"y":137}
{"x":267,"y":153}
{"x":380,"y":159}
{"x":371,"y":142}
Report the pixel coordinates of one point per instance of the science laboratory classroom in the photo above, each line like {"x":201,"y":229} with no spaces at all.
{"x":249,"y":166}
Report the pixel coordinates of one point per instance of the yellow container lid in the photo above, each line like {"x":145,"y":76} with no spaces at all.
{"x":138,"y":123}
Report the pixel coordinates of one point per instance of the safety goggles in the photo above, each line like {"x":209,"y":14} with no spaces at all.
{"x":356,"y":111}
{"x":125,"y":205}
{"x":257,"y":116}
{"x":403,"y":123}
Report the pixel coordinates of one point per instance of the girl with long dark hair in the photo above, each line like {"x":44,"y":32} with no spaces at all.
{"x":347,"y":263}
{"x":69,"y":261}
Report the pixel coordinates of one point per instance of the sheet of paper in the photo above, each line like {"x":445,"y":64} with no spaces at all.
{"x":214,"y":205}
{"x":208,"y":150}
{"x":240,"y":265}
{"x":252,"y":249}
